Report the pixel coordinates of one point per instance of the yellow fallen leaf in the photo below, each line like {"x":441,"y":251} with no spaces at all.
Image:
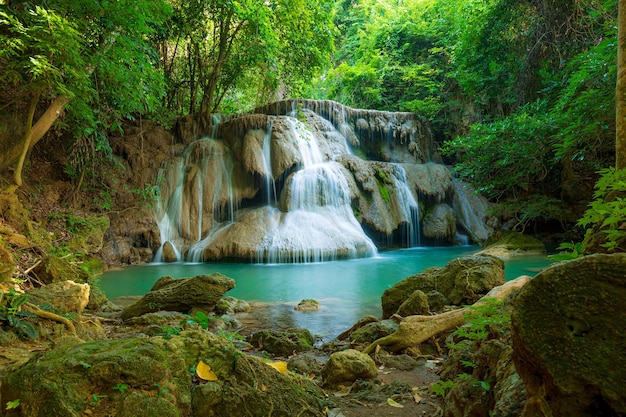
{"x":394,"y":403}
{"x":204,"y":371}
{"x":279,"y":366}
{"x":417,"y":397}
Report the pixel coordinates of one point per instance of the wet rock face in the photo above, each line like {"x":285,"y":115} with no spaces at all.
{"x":569,"y":335}
{"x":461,"y":281}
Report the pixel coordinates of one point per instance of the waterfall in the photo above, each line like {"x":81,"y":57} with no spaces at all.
{"x":319,"y":224}
{"x":304,"y":181}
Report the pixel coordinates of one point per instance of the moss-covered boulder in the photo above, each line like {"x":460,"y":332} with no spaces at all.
{"x":417,"y":303}
{"x":569,"y":336}
{"x":282,"y":342}
{"x":66,"y":296}
{"x":69,"y":381}
{"x":201,"y":292}
{"x":347,"y":366}
{"x":88,"y":234}
{"x":155,"y":377}
{"x":511,"y":244}
{"x":461,"y":281}
{"x":7,"y":264}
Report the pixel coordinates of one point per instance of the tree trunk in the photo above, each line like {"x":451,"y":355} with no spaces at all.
{"x":37,"y":131}
{"x":414,"y":330}
{"x":620,"y":90}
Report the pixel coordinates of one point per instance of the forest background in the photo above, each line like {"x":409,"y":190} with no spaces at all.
{"x":521,"y":95}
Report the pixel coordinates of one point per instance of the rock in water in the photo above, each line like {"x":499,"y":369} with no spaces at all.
{"x":184,"y":294}
{"x":569,"y":338}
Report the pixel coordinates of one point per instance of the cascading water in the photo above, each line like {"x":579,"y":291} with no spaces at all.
{"x":319,"y":223}
{"x":282,"y":185}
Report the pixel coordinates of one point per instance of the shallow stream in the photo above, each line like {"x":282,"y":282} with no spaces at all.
{"x":347,"y":290}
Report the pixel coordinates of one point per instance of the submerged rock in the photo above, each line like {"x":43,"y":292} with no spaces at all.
{"x":307,"y":305}
{"x":185,"y":294}
{"x":569,"y":335}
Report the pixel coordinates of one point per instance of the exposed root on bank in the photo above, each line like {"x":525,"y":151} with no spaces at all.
{"x":414,"y":330}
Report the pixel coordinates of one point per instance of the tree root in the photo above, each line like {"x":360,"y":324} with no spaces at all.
{"x":414,"y":330}
{"x":50,"y":316}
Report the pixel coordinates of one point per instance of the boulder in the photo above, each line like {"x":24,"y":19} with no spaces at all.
{"x":66,"y":296}
{"x":368,"y":333}
{"x":282,"y":342}
{"x":151,"y":377}
{"x":347,"y":366}
{"x":307,"y":305}
{"x":511,"y":244}
{"x":88,"y":234}
{"x":417,"y":303}
{"x":169,"y":252}
{"x":231,"y":305}
{"x":201,"y":292}
{"x":461,"y":281}
{"x":569,"y":334}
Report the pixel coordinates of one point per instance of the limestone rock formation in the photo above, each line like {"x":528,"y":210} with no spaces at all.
{"x":461,"y":281}
{"x":201,"y":292}
{"x":569,"y":336}
{"x":440,"y":223}
{"x":294,"y":181}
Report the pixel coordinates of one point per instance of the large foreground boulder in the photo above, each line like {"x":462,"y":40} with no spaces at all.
{"x":155,"y":377}
{"x":461,"y":281}
{"x":201,"y":292}
{"x":569,"y":337}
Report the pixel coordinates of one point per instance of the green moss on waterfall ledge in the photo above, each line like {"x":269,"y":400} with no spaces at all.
{"x":511,"y":244}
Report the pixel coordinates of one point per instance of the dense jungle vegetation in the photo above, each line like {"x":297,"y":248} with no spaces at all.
{"x":521,"y":95}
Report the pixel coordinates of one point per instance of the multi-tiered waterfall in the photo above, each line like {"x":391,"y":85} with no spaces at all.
{"x":307,"y":181}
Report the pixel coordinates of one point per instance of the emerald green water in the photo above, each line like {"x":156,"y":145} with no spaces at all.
{"x":346,"y":290}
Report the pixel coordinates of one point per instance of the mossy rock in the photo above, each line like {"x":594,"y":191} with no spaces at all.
{"x":88,"y":234}
{"x":7,"y":264}
{"x":156,"y":374}
{"x":461,"y":281}
{"x":417,"y":303}
{"x":282,"y":342}
{"x":511,"y":244}
{"x":372,"y":331}
{"x":201,"y":292}
{"x":67,"y":381}
{"x":569,"y":334}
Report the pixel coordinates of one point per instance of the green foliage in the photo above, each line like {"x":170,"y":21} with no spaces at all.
{"x":168,"y":331}
{"x":572,"y":251}
{"x":121,"y":387}
{"x":11,"y":314}
{"x":482,"y":322}
{"x":12,"y":404}
{"x":508,"y":156}
{"x":529,"y":209}
{"x":105,"y":67}
{"x":441,"y":387}
{"x":605,"y":219}
{"x":199,"y":318}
